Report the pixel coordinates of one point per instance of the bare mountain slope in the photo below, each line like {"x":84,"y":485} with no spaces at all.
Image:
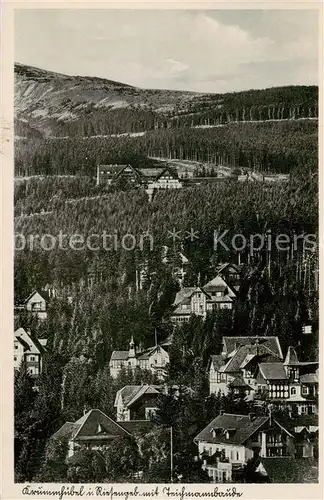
{"x":54,"y":104}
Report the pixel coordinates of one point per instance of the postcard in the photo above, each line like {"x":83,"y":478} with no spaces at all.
{"x":161,"y":250}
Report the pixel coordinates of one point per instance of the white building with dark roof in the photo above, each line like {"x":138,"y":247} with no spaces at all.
{"x":216,"y":294}
{"x":30,"y":349}
{"x":137,"y":402}
{"x":227,"y":443}
{"x":93,"y":430}
{"x":154,"y":359}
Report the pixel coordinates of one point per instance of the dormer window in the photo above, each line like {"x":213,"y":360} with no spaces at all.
{"x":213,"y":432}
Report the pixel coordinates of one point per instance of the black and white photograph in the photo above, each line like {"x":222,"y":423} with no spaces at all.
{"x":166,"y":248}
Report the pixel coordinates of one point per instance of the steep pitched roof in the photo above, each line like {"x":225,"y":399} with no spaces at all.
{"x":273,"y":371}
{"x":67,"y":431}
{"x":119,"y":355}
{"x":272,"y":343}
{"x":218,"y":284}
{"x":291,"y":470}
{"x":95,"y":425}
{"x":30,"y":342}
{"x":34,"y":292}
{"x":184,"y":293}
{"x":246,"y":353}
{"x":221,"y":267}
{"x":243,"y":427}
{"x":216,"y":360}
{"x":131,"y":393}
{"x":291,"y":356}
{"x":144,"y":389}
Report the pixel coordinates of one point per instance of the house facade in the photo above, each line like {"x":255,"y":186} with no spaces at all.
{"x":227,"y":443}
{"x":29,"y":349}
{"x":154,"y":359}
{"x":253,"y":365}
{"x":107,"y":174}
{"x":137,"y":402}
{"x":238,"y":361}
{"x":167,"y":179}
{"x":216,"y":294}
{"x":93,"y":430}
{"x":35,"y":304}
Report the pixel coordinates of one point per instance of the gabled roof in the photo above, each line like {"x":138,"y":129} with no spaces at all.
{"x":216,"y":361}
{"x":95,"y":425}
{"x":30,"y":343}
{"x":184,"y":293}
{"x":239,"y":383}
{"x":149,"y":352}
{"x":243,"y":425}
{"x":218,"y":283}
{"x":67,"y":431}
{"x":43,"y":295}
{"x":246,"y":353}
{"x":221,"y":267}
{"x":168,"y":170}
{"x":119,"y":355}
{"x":273,"y":371}
{"x":129,"y":394}
{"x":144,"y":389}
{"x":272,"y":343}
{"x":291,"y":356}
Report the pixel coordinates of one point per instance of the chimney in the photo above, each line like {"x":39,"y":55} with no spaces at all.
{"x":221,"y":412}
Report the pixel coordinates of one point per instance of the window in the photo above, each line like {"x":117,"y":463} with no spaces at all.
{"x":237,"y":456}
{"x":304,"y":390}
{"x":303,"y":409}
{"x":15,"y":358}
{"x":31,"y":358}
{"x":293,"y":391}
{"x":16,"y":346}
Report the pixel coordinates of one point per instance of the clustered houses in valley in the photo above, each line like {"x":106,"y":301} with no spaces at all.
{"x":216,"y":294}
{"x":29,"y":349}
{"x":154,"y":359}
{"x":230,"y":442}
{"x":35,"y":304}
{"x":253,"y":365}
{"x":151,"y":179}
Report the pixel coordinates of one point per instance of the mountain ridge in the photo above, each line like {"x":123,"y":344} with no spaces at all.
{"x":56,"y":104}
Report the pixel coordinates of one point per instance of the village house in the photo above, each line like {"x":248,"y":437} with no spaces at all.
{"x":35,"y":304}
{"x":227,"y":443}
{"x":107,"y":174}
{"x":291,"y":381}
{"x":167,"y":179}
{"x":236,"y":365}
{"x":216,"y":294}
{"x":29,"y":349}
{"x":137,"y":402}
{"x":231,"y":273}
{"x":253,"y":365}
{"x":154,"y":359}
{"x":93,"y":430}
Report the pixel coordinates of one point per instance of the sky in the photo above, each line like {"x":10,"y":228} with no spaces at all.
{"x":199,"y":50}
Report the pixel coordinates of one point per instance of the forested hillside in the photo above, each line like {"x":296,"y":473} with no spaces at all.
{"x":65,"y":126}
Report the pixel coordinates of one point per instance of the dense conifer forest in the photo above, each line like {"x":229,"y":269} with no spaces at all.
{"x":55,"y":191}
